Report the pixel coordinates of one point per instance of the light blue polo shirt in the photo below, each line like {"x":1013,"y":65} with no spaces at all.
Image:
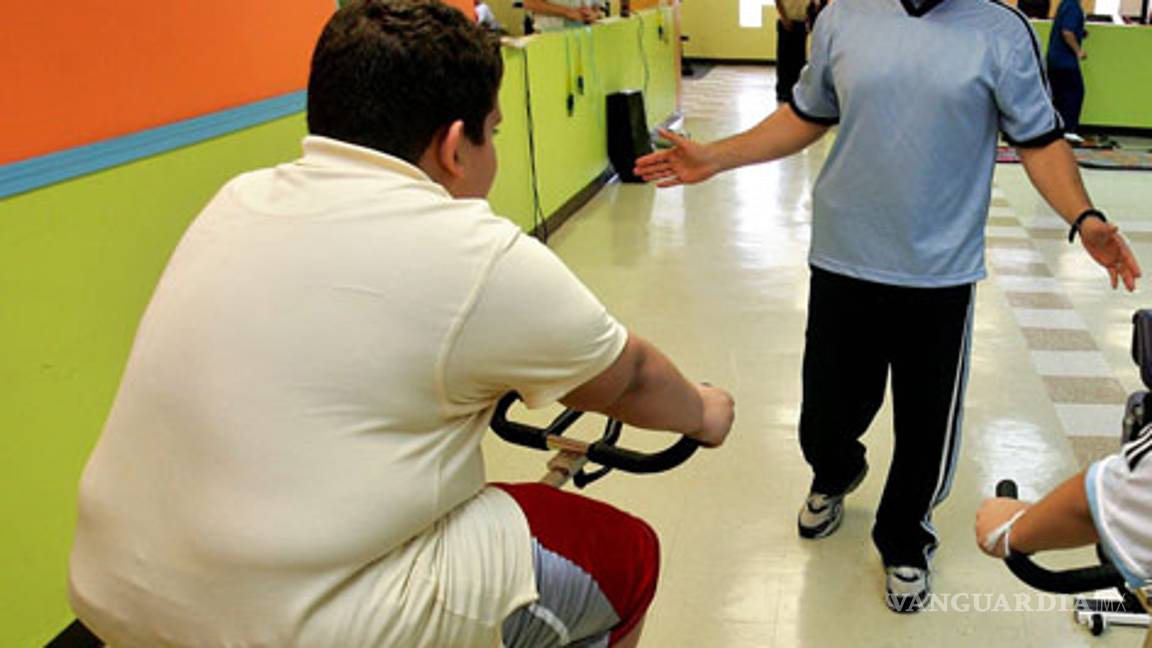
{"x":920,"y":92}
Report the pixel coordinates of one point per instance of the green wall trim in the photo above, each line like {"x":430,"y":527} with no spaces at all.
{"x":51,"y":168}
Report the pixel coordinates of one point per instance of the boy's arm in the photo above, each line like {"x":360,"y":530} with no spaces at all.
{"x":645,"y":389}
{"x":1061,"y":520}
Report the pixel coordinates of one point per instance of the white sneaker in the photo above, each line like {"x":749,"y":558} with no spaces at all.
{"x":1074,"y":138}
{"x":907,"y":588}
{"x":821,"y":514}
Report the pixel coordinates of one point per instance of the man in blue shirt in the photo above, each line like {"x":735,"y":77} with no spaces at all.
{"x":898,"y":237}
{"x":1065,"y":52}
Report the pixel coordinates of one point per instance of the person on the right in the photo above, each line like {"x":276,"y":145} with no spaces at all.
{"x":1065,"y":51}
{"x":1110,"y":503}
{"x":920,"y":90}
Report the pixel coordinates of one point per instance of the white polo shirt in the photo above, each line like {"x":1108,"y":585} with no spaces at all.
{"x":1119,"y":491}
{"x":293,"y":458}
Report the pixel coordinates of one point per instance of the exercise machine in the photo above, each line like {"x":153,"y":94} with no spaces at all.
{"x":573,"y":455}
{"x":1097,"y":611}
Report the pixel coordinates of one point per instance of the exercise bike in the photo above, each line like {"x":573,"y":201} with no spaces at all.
{"x":573,"y":455}
{"x":569,"y":463}
{"x":1099,"y":612}
{"x":1093,"y":611}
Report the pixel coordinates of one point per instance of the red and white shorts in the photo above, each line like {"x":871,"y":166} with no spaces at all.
{"x":596,"y":570}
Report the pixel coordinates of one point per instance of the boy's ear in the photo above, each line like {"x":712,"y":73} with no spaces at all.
{"x":448,"y":149}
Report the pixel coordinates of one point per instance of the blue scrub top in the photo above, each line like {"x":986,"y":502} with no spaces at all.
{"x":1070,"y":17}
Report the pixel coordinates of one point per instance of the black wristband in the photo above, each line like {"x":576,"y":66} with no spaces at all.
{"x":1080,"y":219}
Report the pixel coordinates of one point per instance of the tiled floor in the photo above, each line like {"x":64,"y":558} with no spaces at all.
{"x":715,"y":274}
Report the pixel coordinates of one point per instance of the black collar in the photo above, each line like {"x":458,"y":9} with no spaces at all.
{"x":915,"y":11}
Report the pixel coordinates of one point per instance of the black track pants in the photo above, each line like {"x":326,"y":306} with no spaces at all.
{"x":858,"y":332}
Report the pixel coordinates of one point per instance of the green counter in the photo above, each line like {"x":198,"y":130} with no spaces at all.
{"x":570,"y":147}
{"x":1117,"y":74}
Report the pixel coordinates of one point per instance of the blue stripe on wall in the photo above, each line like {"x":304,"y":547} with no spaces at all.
{"x":37,"y":172}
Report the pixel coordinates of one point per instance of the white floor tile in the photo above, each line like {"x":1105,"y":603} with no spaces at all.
{"x":1014,"y":255}
{"x":1072,"y":363}
{"x":1006,"y":232}
{"x":1011,"y":283}
{"x":1091,"y":420}
{"x":1048,"y":318}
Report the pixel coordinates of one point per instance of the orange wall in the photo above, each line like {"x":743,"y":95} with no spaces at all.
{"x":82,"y":71}
{"x":467,"y":6}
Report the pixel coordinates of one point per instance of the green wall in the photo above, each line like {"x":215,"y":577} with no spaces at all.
{"x":637,"y":53}
{"x":79,"y":260}
{"x":1117,"y":74}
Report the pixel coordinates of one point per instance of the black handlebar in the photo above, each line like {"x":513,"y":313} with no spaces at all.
{"x":1007,"y":488}
{"x":1068,"y":581}
{"x":527,"y":435}
{"x":603,"y":451}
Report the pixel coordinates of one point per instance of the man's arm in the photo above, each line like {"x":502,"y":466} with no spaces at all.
{"x":779,"y":135}
{"x":645,"y":389}
{"x":1053,"y":171}
{"x":1073,"y":42}
{"x":546,"y":8}
{"x":1061,"y":520}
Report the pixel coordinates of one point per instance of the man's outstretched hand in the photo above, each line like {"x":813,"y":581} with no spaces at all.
{"x":686,"y":162}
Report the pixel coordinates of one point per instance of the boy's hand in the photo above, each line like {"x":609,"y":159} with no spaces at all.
{"x":992,"y":515}
{"x":719,"y":413}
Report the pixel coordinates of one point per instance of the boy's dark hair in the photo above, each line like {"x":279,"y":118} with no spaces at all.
{"x":389,"y":74}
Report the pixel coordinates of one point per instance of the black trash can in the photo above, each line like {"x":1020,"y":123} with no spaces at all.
{"x":628,"y":137}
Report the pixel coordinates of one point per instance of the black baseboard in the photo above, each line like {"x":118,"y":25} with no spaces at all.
{"x":1115,"y":130}
{"x":728,"y":61}
{"x":572,"y":205}
{"x":75,"y":636}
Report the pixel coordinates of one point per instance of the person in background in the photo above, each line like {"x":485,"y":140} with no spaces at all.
{"x":1065,"y":51}
{"x":485,"y":17}
{"x":554,"y":15}
{"x":1110,"y":503}
{"x":1038,"y":9}
{"x":791,"y":45}
{"x":814,"y":9}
